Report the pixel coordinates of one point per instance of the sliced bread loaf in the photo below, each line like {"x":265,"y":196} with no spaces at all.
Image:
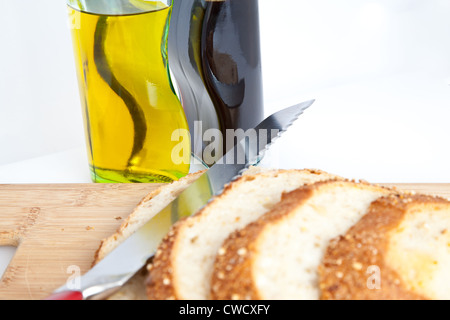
{"x":278,"y":255}
{"x":399,"y":250}
{"x":182,"y":267}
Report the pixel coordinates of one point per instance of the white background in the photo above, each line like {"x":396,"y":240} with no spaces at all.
{"x":379,"y":71}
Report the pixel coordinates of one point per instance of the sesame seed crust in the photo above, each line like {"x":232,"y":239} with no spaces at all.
{"x":155,"y":287}
{"x":239,"y":276}
{"x":346,"y":266}
{"x":160,"y":280}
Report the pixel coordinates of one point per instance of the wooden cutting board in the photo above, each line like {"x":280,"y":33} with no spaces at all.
{"x":58,"y":228}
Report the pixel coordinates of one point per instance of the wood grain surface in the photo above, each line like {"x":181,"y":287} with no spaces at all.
{"x":58,"y":228}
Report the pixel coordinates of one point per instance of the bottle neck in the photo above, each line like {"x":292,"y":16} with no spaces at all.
{"x":118,"y":7}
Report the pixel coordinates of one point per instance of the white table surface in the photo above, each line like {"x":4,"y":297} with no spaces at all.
{"x":379,"y":71}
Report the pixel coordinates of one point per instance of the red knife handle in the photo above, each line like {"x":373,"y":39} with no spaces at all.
{"x":66,"y":295}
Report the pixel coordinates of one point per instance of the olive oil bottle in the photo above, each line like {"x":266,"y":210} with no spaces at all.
{"x":130,"y":107}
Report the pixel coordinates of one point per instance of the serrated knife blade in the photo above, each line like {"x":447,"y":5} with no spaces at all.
{"x":129,"y":257}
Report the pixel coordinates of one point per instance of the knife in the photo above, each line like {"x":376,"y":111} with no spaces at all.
{"x":113,"y":271}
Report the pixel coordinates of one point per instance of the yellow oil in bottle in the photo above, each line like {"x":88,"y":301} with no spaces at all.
{"x":129,"y":105}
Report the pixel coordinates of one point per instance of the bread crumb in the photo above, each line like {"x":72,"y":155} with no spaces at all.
{"x":118,"y":218}
{"x":89,"y":228}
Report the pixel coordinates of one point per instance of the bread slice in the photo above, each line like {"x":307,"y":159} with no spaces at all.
{"x":150,"y":205}
{"x":183,"y":265}
{"x":278,"y":255}
{"x":399,"y":250}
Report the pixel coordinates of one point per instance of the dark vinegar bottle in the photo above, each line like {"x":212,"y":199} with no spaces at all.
{"x":184,"y":50}
{"x":214,"y":54}
{"x":231,"y":62}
